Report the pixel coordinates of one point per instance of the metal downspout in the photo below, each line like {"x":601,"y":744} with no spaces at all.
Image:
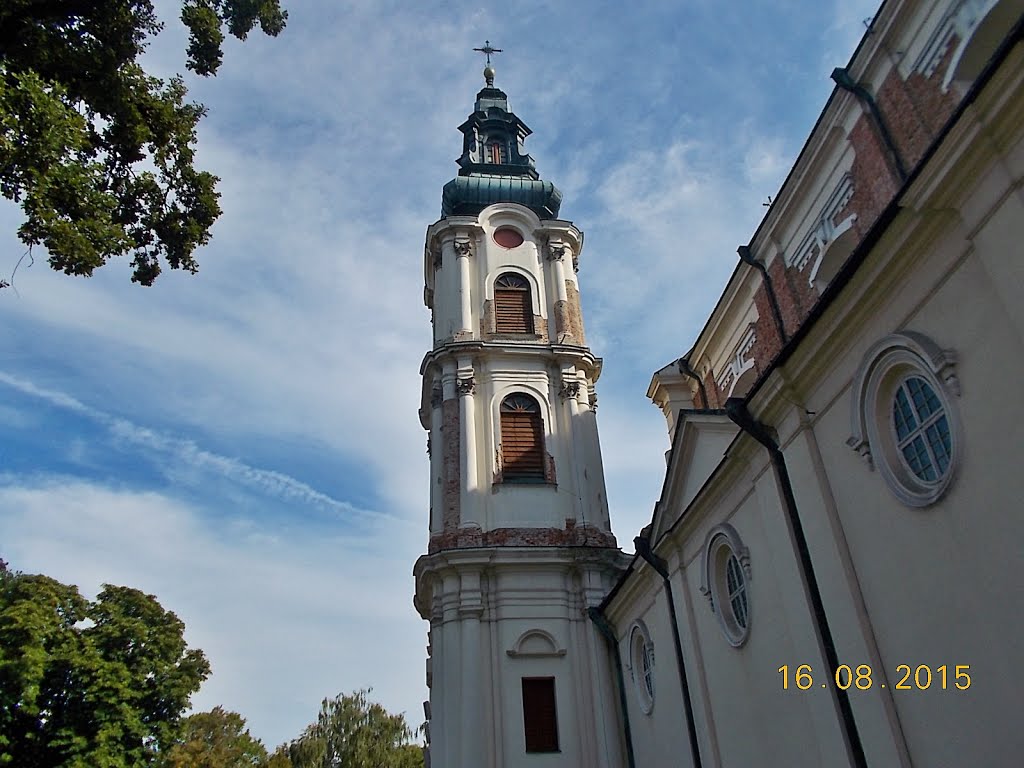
{"x":736,"y":409}
{"x":601,"y":622}
{"x":748,"y":258}
{"x":841,"y":77}
{"x":643,"y":548}
{"x":683,"y":364}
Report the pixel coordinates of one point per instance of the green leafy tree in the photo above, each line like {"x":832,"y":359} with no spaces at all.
{"x":352,"y":732}
{"x":98,"y":153}
{"x":215,"y":739}
{"x":89,"y":684}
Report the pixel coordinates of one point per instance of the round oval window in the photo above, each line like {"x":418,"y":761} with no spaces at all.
{"x":507,"y":237}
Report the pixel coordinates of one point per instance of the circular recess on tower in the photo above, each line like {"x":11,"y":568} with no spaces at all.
{"x":507,"y":237}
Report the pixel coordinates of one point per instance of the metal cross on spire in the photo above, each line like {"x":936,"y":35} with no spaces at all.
{"x":487,"y":49}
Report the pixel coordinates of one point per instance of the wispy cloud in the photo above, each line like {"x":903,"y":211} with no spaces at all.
{"x":187,"y":453}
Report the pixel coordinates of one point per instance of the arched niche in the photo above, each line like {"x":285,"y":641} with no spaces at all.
{"x":535,"y":644}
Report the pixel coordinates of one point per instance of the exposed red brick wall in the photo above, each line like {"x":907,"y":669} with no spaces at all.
{"x":487,"y":319}
{"x":575,"y":313}
{"x":562,"y":321}
{"x":570,"y":536}
{"x":451,"y":470}
{"x":793,"y":304}
{"x":768,"y":342}
{"x":715,"y":397}
{"x":549,"y":470}
{"x":915,"y":111}
{"x":874,"y":182}
{"x":540,"y":327}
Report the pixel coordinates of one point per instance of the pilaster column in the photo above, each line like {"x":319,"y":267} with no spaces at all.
{"x":463,"y":250}
{"x":466,"y":386}
{"x":556,"y":254}
{"x":470,"y":610}
{"x":436,"y":444}
{"x":451,"y":678}
{"x":570,"y":392}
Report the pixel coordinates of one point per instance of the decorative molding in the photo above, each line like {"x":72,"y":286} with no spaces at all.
{"x":824,"y":229}
{"x":556,"y":251}
{"x":639,"y":642}
{"x":724,"y":535}
{"x":544,"y":646}
{"x":885,"y":364}
{"x":570,"y":389}
{"x":938,"y":44}
{"x":463,"y":248}
{"x":466,"y":385}
{"x":740,"y":363}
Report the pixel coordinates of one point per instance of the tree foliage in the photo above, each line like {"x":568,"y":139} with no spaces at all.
{"x":98,"y":153}
{"x":215,"y":739}
{"x":97,"y":684}
{"x":352,"y":732}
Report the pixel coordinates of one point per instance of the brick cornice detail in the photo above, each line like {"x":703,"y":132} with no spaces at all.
{"x":573,"y":536}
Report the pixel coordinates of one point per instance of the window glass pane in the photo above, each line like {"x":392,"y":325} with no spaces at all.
{"x":940,"y":442}
{"x":739,"y":608}
{"x":922,"y":429}
{"x":919,"y":461}
{"x":926,"y":402}
{"x":903,"y":416}
{"x":737,"y":590}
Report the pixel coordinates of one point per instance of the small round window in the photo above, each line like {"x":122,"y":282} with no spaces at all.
{"x":726,"y":582}
{"x":904,"y":423}
{"x":642,"y":662}
{"x":507,"y":237}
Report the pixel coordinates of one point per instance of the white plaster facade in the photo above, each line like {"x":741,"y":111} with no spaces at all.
{"x":792,"y":529}
{"x":925,"y":575}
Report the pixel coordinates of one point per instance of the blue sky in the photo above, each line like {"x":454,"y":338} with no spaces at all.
{"x":243,"y":443}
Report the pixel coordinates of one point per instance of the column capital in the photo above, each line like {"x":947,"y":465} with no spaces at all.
{"x":556,"y":250}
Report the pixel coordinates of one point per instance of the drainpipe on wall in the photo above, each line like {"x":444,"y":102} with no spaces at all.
{"x":748,"y":258}
{"x":841,"y":77}
{"x":643,"y":548}
{"x":683,"y":364}
{"x":601,"y":622}
{"x":736,"y":409}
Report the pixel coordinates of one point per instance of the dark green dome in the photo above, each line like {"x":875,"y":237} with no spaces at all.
{"x":468,"y":195}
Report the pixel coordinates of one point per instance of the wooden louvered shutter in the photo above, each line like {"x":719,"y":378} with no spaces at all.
{"x":513,"y":310}
{"x":522,"y":440}
{"x":540,"y":718}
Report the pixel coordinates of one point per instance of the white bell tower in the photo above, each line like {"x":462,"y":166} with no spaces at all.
{"x":520,"y":539}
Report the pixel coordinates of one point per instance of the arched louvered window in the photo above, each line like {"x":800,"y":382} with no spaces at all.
{"x":513,"y":309}
{"x":522,"y":440}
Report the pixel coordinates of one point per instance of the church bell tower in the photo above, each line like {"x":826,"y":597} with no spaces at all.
{"x":520,"y":539}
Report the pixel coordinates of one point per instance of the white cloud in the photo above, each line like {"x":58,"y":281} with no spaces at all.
{"x":281,"y":621}
{"x":186,"y":453}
